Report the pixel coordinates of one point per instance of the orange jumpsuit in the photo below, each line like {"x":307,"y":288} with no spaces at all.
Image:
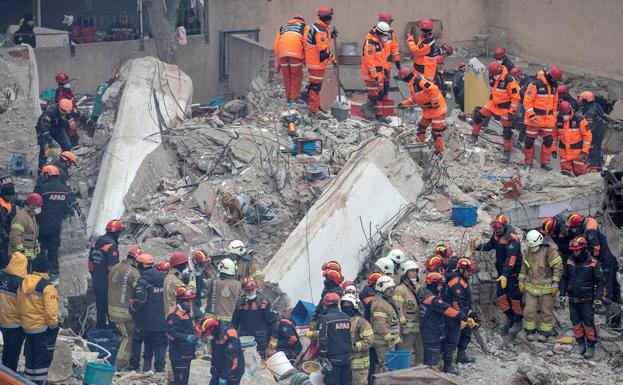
{"x":503,"y":103}
{"x":317,"y":57}
{"x":540,"y":103}
{"x":290,"y":51}
{"x":392,"y":56}
{"x":425,"y":53}
{"x":373,"y":60}
{"x":427,"y":95}
{"x":574,"y":142}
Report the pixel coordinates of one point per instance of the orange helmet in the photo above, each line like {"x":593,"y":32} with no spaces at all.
{"x":207,"y":325}
{"x":434,"y":263}
{"x":516,"y":72}
{"x":163,"y":266}
{"x":345,"y":284}
{"x":426,"y":24}
{"x":499,"y":222}
{"x":50,"y":170}
{"x":69,"y":156}
{"x":185,"y":293}
{"x":332,"y":265}
{"x":334,"y":276}
{"x":200,"y":256}
{"x":586,"y":96}
{"x":575,"y":220}
{"x":145,"y":259}
{"x":372,"y":278}
{"x":135,"y":251}
{"x":65,"y":105}
{"x":578,"y":243}
{"x":434,"y":278}
{"x":549,"y":223}
{"x":330,"y":299}
{"x":465,"y":264}
{"x":178,"y":258}
{"x":248,"y":284}
{"x":114,"y":226}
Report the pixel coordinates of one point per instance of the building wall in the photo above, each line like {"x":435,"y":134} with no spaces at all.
{"x":576,"y":34}
{"x":247,"y":61}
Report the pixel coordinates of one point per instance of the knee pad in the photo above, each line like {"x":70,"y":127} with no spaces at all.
{"x":507,"y":133}
{"x":477,"y":116}
{"x":529,"y":142}
{"x":548,"y":141}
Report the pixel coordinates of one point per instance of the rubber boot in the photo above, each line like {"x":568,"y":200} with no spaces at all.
{"x":517,"y":326}
{"x":546,"y":167}
{"x":463,"y":358}
{"x":508,"y":324}
{"x":530,"y":335}
{"x":506,"y":157}
{"x":542,"y":337}
{"x":448,"y":367}
{"x":581,"y":348}
{"x":590,"y":351}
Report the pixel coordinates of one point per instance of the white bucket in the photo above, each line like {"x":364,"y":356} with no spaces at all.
{"x":279,"y":364}
{"x":317,"y":378}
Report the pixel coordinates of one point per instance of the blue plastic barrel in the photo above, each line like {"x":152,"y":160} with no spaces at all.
{"x":302,"y":313}
{"x":96,"y":373}
{"x":465,"y":215}
{"x":397,"y":359}
{"x":106,"y":339}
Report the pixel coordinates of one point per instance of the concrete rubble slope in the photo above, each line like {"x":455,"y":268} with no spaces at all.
{"x":136,"y":131}
{"x":372,"y":191}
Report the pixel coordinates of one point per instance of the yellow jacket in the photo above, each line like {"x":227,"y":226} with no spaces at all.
{"x":10,"y":281}
{"x":541,"y":270}
{"x":172,"y":282}
{"x":406,"y":301}
{"x":24,"y":234}
{"x":385,"y":322}
{"x":122,"y":279}
{"x":37,"y":304}
{"x":362,"y":337}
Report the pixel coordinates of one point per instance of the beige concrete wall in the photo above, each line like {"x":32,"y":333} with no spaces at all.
{"x":247,"y":61}
{"x":578,"y":35}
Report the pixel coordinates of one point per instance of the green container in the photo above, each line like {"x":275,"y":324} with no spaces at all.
{"x":299,"y":378}
{"x":96,"y":373}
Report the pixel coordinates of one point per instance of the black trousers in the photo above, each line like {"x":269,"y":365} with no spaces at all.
{"x":465,"y":339}
{"x":432,"y":335}
{"x":154,"y":346}
{"x":39,"y":352}
{"x":341,"y":373}
{"x":13,"y":341}
{"x":582,"y":315}
{"x":50,"y":243}
{"x":101,"y":303}
{"x":451,"y":341}
{"x":181,"y":371}
{"x":4,"y":253}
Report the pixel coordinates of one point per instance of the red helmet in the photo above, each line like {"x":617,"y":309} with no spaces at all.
{"x":556,"y":73}
{"x":178,"y":258}
{"x":403,"y":73}
{"x":426,"y":24}
{"x":564,"y":107}
{"x":372,"y":278}
{"x":333,"y":275}
{"x":586,"y":96}
{"x":207,"y":325}
{"x":185,"y":293}
{"x":562,"y":89}
{"x":114,"y":226}
{"x":145,"y":259}
{"x":34,"y":200}
{"x":578,"y":243}
{"x":499,"y":222}
{"x":65,"y":105}
{"x":549,"y":223}
{"x":386,"y":17}
{"x":575,"y":220}
{"x":434,"y":278}
{"x":163,"y":266}
{"x":134,"y":251}
{"x":62,"y":78}
{"x":447,"y":48}
{"x":499,"y":53}
{"x":325,"y":11}
{"x":330,"y":299}
{"x":331,"y":265}
{"x":200,"y":256}
{"x":249,"y":284}
{"x":462,"y":65}
{"x":516,"y":72}
{"x":50,"y":170}
{"x":440,"y":59}
{"x":434,"y":263}
{"x":495,"y":68}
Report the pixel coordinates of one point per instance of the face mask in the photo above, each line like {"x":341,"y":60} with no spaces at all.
{"x":535,"y":249}
{"x":415,"y":281}
{"x":37,"y":210}
{"x":251,"y":297}
{"x":67,"y":85}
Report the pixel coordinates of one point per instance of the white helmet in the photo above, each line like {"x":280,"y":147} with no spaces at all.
{"x":383,"y":28}
{"x":386,"y":265}
{"x":408,"y":265}
{"x":226,"y":266}
{"x":534,"y":239}
{"x":237,"y":247}
{"x":397,"y":255}
{"x":350,"y":289}
{"x":384,"y":283}
{"x":351,"y":299}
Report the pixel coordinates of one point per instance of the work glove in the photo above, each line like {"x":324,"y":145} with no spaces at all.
{"x":554,"y":290}
{"x":471,"y":323}
{"x":29,"y":253}
{"x":555,"y":154}
{"x":311,"y":334}
{"x":333,"y":33}
{"x":522,"y":287}
{"x":272,"y":344}
{"x":502,"y":280}
{"x":191,"y":339}
{"x":473,"y":244}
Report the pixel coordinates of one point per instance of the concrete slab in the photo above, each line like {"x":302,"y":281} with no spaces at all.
{"x":413,"y":376}
{"x":372,"y":191}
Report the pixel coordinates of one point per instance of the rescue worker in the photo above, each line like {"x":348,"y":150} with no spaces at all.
{"x":398,"y":257}
{"x":386,"y":266}
{"x":427,"y":95}
{"x":373,"y":64}
{"x":57,"y":203}
{"x":589,"y":228}
{"x":104,"y":254}
{"x":7,"y":213}
{"x":254,"y":316}
{"x":392,"y":52}
{"x":435,"y":264}
{"x":538,"y":281}
{"x":458,"y":295}
{"x":147,"y":308}
{"x":540,"y":103}
{"x":122,"y":280}
{"x":518,"y":121}
{"x":425,"y":50}
{"x":227,"y":358}
{"x":181,"y":335}
{"x":564,"y":95}
{"x":37,"y":306}
{"x":335,"y":341}
{"x":64,"y":91}
{"x":508,"y":260}
{"x":24,"y":228}
{"x":317,"y":56}
{"x":500,"y":56}
{"x":223,"y":292}
{"x":434,"y":312}
{"x":247,"y":265}
{"x":450,"y":259}
{"x":63,"y":162}
{"x":285,"y":338}
{"x":503,"y":103}
{"x":53,"y":125}
{"x":594,"y":114}
{"x":384,"y":320}
{"x":202,"y":270}
{"x":367,"y":294}
{"x":574,"y":140}
{"x":173,"y":279}
{"x":10,"y":323}
{"x":405,"y":299}
{"x":332,"y":281}
{"x":289,"y":51}
{"x":458,"y":86}
{"x":580,"y":278}
{"x":361,"y":336}
{"x":556,"y":229}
